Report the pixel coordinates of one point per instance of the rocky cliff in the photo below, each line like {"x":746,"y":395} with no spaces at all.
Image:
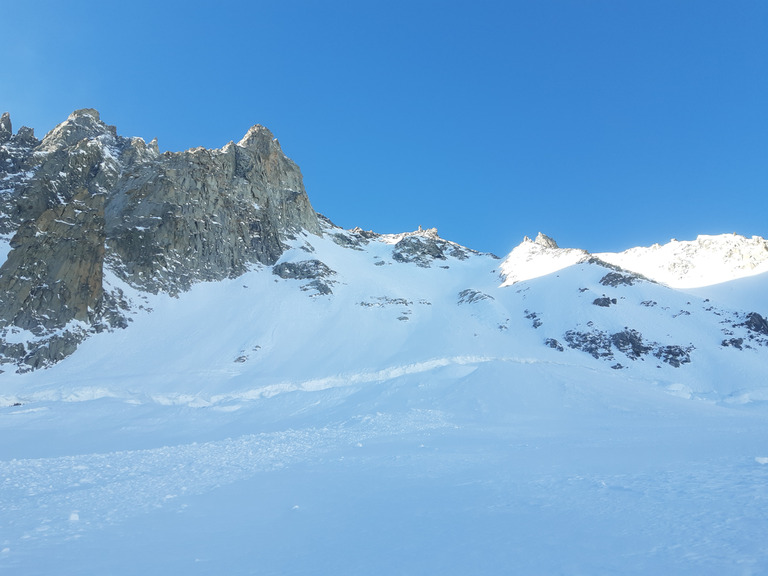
{"x":85,"y":199}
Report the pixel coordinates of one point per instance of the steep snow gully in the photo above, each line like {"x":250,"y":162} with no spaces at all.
{"x":250,"y":389}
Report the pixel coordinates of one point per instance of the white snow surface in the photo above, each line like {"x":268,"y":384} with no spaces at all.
{"x":5,"y":247}
{"x":412,"y":422}
{"x":702,"y":262}
{"x":532,"y":260}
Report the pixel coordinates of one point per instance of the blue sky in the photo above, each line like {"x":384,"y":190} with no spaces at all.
{"x":605,"y":124}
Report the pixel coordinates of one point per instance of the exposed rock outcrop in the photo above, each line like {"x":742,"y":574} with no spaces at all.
{"x":423,"y":247}
{"x":85,"y":198}
{"x":599,"y":344}
{"x":757,"y":323}
{"x":470,"y":296}
{"x":313,"y":270}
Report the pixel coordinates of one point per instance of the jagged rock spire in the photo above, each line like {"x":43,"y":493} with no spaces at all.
{"x":542,"y":240}
{"x":6,"y":130}
{"x":546,"y":241}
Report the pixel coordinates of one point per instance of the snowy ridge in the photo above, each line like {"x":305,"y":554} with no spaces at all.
{"x":535,"y":258}
{"x":702,"y":262}
{"x":383,"y":312}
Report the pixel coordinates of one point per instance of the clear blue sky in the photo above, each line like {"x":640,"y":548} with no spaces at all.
{"x":605,"y":124}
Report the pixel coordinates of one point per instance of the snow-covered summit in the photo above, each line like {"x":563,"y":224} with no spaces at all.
{"x":539,"y":257}
{"x":679,"y":264}
{"x":689,"y":264}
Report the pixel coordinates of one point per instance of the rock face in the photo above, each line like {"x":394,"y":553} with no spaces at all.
{"x":84,"y":199}
{"x":63,"y":281}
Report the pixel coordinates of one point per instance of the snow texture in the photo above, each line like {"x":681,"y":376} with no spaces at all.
{"x":423,"y":417}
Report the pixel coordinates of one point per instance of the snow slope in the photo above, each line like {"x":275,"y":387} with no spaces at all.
{"x":419,"y":418}
{"x":702,"y":262}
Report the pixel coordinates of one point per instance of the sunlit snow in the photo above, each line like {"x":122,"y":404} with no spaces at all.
{"x":702,"y":262}
{"x":255,"y":426}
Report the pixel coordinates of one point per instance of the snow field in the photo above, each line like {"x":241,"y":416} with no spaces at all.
{"x":393,"y":426}
{"x":459,"y":468}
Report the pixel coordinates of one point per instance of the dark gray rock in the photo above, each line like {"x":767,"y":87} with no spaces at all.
{"x":382,"y":301}
{"x":604,"y":301}
{"x":306,"y":269}
{"x":25,"y":137}
{"x":756,"y":323}
{"x":595,"y":343}
{"x":734,"y":342}
{"x":349,"y":240}
{"x":425,"y":246}
{"x":534,"y":318}
{"x":552,"y":343}
{"x":630,"y":342}
{"x":469,"y":296}
{"x":618,"y":279}
{"x":314,"y":270}
{"x":674,"y":355}
{"x":421,"y":251}
{"x":54,"y":271}
{"x":54,"y":276}
{"x":354,"y":239}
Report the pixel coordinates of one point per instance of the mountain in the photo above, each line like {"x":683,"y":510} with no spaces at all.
{"x":84,"y":200}
{"x":200,"y":367}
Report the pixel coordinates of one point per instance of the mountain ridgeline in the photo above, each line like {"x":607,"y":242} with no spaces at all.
{"x":90,"y":221}
{"x":84,"y":198}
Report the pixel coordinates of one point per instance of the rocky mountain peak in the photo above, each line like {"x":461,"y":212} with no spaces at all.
{"x":85,"y":202}
{"x":545,"y":241}
{"x":81,"y":124}
{"x":541,"y":240}
{"x":259,"y":138}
